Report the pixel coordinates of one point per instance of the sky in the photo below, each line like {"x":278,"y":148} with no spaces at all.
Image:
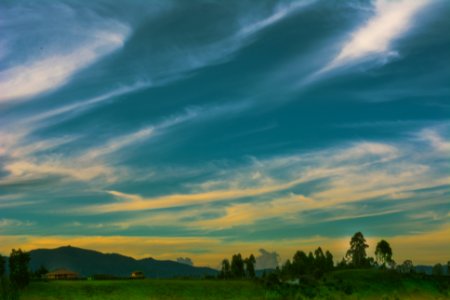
{"x":199,"y":129}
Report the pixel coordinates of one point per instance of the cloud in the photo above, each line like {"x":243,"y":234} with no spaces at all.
{"x":84,"y":104}
{"x":353,"y":173}
{"x":13,"y":223}
{"x":436,"y":140}
{"x":25,"y":159}
{"x":133,"y":202}
{"x":391,"y":19}
{"x":81,"y":45}
{"x":30,"y":170}
{"x":118,"y":143}
{"x":185,"y":261}
{"x":280,"y":11}
{"x":267,"y":260}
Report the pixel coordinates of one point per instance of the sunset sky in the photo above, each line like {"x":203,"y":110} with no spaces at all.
{"x":205,"y":128}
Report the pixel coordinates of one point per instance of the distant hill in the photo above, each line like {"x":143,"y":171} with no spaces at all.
{"x":89,"y":262}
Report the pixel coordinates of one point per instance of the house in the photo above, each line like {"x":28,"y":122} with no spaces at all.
{"x":137,"y":275}
{"x":61,"y":274}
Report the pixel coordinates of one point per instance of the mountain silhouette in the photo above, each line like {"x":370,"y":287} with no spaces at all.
{"x":89,"y":262}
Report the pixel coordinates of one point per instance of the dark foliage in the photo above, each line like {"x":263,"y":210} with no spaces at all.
{"x":237,"y":266}
{"x":306,"y":265}
{"x":225,"y":272}
{"x":18,"y":268}
{"x":2,"y":266}
{"x":383,"y":253}
{"x":250,"y":266}
{"x":438,"y":270}
{"x":356,"y":255}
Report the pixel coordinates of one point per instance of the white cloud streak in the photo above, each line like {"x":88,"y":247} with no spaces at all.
{"x":42,"y":72}
{"x":390,"y":21}
{"x":281,"y":11}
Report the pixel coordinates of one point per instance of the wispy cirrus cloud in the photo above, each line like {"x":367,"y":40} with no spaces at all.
{"x":98,"y":161}
{"x":51,"y":62}
{"x":437,"y":141}
{"x":279,"y":12}
{"x":81,"y":105}
{"x":358,"y":172}
{"x":391,"y":19}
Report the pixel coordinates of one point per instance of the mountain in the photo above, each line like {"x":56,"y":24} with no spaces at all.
{"x":89,"y":262}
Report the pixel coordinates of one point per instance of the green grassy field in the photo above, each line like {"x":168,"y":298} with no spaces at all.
{"x":143,"y":289}
{"x":354,"y":284}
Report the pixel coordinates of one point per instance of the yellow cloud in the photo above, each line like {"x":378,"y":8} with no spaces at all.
{"x":132,"y":202}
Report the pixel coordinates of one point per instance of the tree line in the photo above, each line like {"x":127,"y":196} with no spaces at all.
{"x":238,"y":268}
{"x":317,"y":263}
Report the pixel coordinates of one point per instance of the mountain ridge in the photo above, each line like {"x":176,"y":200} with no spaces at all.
{"x":89,"y":262}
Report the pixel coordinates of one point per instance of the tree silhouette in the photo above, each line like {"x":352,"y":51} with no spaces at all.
{"x":2,"y":266}
{"x":18,"y":268}
{"x":383,"y":253}
{"x":226,"y":270}
{"x":237,"y":266}
{"x":329,"y":264}
{"x":357,"y":252}
{"x":406,"y":267}
{"x":250,"y":266}
{"x":438,"y":270}
{"x":300,"y":264}
{"x":39,"y":273}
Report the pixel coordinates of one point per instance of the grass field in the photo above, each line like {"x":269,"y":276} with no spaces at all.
{"x":354,"y":284}
{"x":143,"y":289}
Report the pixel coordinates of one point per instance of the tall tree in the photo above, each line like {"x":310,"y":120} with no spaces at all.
{"x":357,"y":252}
{"x":18,"y":268}
{"x":2,"y":266}
{"x":237,"y":266}
{"x":300,"y":264}
{"x":250,"y":266}
{"x":383,"y":253}
{"x":329,"y":261}
{"x":226,"y":270}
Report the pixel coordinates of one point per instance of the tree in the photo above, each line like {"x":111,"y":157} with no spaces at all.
{"x":342,"y":264}
{"x":329,"y":264}
{"x":383,"y":253}
{"x":226,"y":270}
{"x":250,"y":266}
{"x":39,"y":273}
{"x":2,"y":266}
{"x":448,"y":268}
{"x":286,"y":270}
{"x":300,"y":264}
{"x":438,"y":270}
{"x":18,"y":268}
{"x":237,"y":266}
{"x":357,"y":252}
{"x":406,"y":267}
{"x":319,"y":263}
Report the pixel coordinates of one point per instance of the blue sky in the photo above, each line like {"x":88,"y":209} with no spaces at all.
{"x":204,"y":128}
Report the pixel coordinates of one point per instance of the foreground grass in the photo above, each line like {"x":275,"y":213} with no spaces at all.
{"x":349,"y":284}
{"x":143,"y":289}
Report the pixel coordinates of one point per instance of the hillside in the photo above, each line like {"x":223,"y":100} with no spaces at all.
{"x":89,"y":262}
